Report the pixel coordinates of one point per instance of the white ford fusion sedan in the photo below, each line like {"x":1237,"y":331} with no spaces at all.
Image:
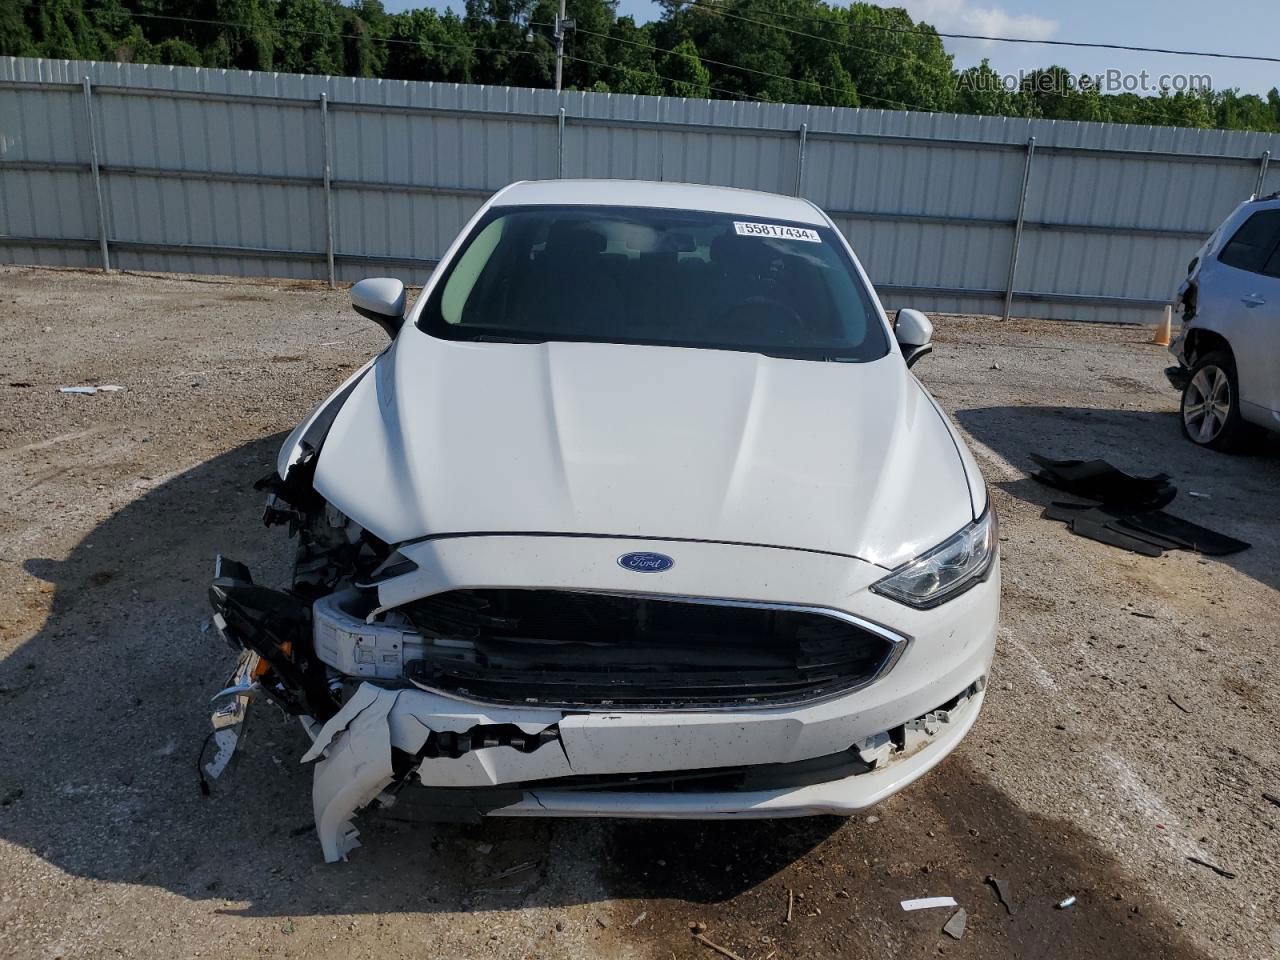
{"x":640,"y":513}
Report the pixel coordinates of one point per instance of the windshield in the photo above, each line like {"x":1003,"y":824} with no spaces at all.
{"x":665,"y":277}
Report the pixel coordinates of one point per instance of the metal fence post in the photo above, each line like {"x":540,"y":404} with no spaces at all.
{"x":328,"y":189}
{"x":97,"y":175}
{"x":560,"y":143}
{"x":804,"y":134}
{"x":1017,"y":228}
{"x":1263,"y":163}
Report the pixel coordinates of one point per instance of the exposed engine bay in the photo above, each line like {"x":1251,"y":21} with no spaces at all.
{"x":568,"y":648}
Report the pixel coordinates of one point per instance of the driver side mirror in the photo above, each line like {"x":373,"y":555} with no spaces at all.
{"x":914,"y":333}
{"x":381,"y":299}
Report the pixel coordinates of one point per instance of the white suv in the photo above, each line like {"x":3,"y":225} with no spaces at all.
{"x":1229,"y":348}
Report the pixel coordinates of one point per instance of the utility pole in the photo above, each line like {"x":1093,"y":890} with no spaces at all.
{"x":562,"y":24}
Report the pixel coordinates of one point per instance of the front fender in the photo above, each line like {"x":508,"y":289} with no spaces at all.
{"x":310,"y":433}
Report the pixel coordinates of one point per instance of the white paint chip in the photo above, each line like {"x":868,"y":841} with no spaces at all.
{"x":929,"y":903}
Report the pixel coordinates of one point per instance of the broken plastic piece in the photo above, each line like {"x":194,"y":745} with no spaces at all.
{"x":954,"y":927}
{"x":89,"y":391}
{"x":1093,"y":530}
{"x":1099,"y":480}
{"x":1127,"y":514}
{"x":1182,"y":533}
{"x":928,"y":903}
{"x":354,"y":753}
{"x":1227,"y":874}
{"x":876,"y":750}
{"x":277,"y":627}
{"x":1067,"y":903}
{"x":1141,"y":532}
{"x":1002,"y":894}
{"x":234,"y":569}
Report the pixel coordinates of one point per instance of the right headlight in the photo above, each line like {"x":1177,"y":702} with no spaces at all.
{"x":949,"y":569}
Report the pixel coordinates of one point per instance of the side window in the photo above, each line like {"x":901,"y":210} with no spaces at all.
{"x":1254,"y":244}
{"x":1272,"y":267}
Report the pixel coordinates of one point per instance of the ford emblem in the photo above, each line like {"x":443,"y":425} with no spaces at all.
{"x":645,"y":562}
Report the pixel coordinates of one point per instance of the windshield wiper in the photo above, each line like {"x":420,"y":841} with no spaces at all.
{"x":494,"y":338}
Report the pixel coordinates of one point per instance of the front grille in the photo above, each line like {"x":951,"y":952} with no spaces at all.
{"x":565,"y":648}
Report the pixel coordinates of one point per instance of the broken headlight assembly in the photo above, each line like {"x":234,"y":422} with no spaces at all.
{"x":949,"y":569}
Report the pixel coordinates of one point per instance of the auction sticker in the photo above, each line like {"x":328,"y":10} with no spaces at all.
{"x":776,"y":230}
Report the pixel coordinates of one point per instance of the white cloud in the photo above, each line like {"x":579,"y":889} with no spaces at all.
{"x":959,"y":16}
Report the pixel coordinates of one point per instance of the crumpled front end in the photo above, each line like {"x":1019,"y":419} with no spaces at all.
{"x":517,"y":675}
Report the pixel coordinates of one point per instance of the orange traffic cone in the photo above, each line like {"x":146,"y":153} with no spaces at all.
{"x":1164,"y":330}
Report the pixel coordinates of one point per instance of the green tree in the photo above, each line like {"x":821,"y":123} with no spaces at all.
{"x":16,"y":39}
{"x":798,"y":51}
{"x":309,"y":36}
{"x":429,"y":46}
{"x":686,"y":76}
{"x":633,"y":68}
{"x":983,"y":91}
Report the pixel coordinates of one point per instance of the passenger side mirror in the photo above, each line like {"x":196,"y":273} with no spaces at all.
{"x":381,"y":299}
{"x":914,"y":333}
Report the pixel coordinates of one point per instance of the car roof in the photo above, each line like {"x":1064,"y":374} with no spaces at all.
{"x":667,"y":196}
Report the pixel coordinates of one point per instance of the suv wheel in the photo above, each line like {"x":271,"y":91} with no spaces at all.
{"x":1211,"y":404}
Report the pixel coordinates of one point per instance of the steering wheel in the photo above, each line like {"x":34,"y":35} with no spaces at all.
{"x":756,"y":322}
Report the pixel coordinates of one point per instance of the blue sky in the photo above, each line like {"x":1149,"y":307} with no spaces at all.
{"x":1228,"y":26}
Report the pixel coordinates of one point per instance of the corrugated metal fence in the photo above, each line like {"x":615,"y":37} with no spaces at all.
{"x":220,"y":171}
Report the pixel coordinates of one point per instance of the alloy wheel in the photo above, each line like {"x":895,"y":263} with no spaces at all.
{"x":1207,"y":404}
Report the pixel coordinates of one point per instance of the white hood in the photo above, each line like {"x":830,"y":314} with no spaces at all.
{"x":652,"y":442}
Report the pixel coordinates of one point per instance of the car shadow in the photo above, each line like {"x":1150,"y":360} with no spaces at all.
{"x":1236,"y":495}
{"x":106,"y":710}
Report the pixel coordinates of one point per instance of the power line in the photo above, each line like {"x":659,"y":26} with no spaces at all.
{"x":799,"y":33}
{"x":517,"y":52}
{"x":342,"y":36}
{"x":614,"y":66}
{"x":433,"y":43}
{"x":735,"y":66}
{"x":974,"y":36}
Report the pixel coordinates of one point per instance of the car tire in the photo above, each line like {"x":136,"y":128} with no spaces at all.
{"x":1210,"y":411}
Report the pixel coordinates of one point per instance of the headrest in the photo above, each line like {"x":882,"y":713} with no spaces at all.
{"x":678,"y":242}
{"x":569,"y":238}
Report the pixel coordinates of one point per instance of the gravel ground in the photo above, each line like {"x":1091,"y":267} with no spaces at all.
{"x":1130,"y":724}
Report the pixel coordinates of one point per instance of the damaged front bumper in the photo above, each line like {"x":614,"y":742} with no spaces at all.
{"x":395,"y":721}
{"x":384,"y":745}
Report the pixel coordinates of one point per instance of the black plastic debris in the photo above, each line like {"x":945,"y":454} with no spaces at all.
{"x":1094,"y":529}
{"x":1100,"y":481}
{"x":1126,"y":511}
{"x":1182,"y":533}
{"x":1214,"y":867}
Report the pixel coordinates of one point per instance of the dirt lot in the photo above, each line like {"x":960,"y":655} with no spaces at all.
{"x":1130,"y":724}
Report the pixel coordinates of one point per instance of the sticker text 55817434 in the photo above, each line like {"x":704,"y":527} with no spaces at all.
{"x":776,"y":230}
